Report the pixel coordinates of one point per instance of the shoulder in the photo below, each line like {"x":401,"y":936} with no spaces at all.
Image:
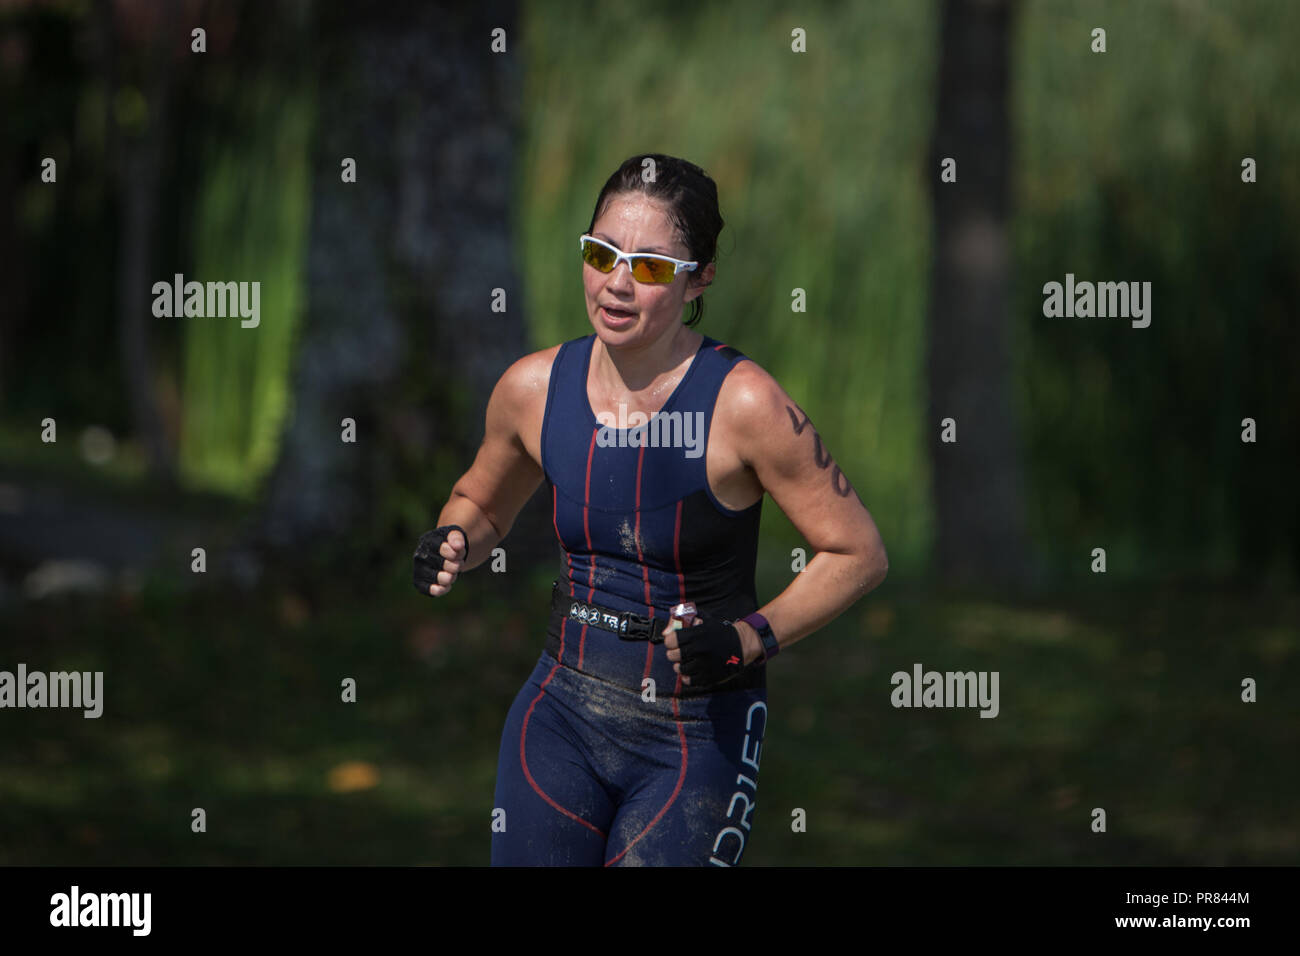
{"x":750,"y":401}
{"x":527,"y":379}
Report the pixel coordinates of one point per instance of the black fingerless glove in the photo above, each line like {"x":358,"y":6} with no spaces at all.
{"x":711,"y":652}
{"x":428,"y":562}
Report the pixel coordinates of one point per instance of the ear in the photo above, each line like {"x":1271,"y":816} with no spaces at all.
{"x":695,"y":287}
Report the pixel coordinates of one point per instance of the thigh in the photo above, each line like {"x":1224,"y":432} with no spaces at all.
{"x":694,"y":803}
{"x":556,"y":811}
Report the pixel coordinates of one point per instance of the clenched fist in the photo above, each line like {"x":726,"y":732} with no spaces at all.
{"x":710,"y":652}
{"x":439,"y":558}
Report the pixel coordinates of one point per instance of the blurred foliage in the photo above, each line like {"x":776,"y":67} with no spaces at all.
{"x":1133,"y":435}
{"x":250,"y":223}
{"x":1127,"y":168}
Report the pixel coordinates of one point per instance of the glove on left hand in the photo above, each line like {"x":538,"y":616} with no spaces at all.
{"x":711,"y":652}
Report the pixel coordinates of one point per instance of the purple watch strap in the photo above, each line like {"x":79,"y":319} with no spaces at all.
{"x":759,"y":623}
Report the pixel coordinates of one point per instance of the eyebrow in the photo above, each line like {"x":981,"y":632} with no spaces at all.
{"x":656,"y":249}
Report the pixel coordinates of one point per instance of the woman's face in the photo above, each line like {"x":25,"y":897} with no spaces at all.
{"x":642,"y":312}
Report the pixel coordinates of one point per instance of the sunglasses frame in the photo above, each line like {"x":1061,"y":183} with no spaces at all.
{"x":679,"y":265}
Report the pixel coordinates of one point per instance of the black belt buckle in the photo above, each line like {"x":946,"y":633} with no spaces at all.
{"x":628,"y":625}
{"x":638,"y":627}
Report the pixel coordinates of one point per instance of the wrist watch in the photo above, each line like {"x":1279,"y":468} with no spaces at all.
{"x":770,"y":646}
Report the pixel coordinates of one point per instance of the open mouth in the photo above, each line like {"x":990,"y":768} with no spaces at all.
{"x":618,"y":313}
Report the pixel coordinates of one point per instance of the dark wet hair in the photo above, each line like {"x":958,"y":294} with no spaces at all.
{"x":692,"y":201}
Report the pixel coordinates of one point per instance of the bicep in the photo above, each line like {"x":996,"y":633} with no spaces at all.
{"x":501,"y":480}
{"x":794,"y":465}
{"x":504,"y":474}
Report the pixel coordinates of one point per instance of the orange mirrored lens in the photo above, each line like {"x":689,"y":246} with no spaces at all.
{"x":643,"y":269}
{"x":652,"y":270}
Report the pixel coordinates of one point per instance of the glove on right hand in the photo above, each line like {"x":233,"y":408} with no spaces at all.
{"x":428,"y":556}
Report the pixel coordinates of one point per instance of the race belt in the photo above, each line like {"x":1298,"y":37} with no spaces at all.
{"x":628,"y":625}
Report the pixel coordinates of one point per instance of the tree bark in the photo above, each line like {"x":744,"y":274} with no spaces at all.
{"x":978,"y":481}
{"x":138,"y":164}
{"x":398,"y":333}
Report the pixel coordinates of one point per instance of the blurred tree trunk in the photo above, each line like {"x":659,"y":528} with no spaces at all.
{"x":398,"y":334}
{"x":15,"y":256}
{"x":136,"y":158}
{"x":978,"y":482}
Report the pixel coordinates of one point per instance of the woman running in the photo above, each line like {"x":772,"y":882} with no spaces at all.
{"x":634,"y":743}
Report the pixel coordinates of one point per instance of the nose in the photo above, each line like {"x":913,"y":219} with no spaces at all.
{"x":621,"y":277}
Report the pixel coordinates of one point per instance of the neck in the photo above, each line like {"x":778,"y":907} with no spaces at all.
{"x":634,"y":368}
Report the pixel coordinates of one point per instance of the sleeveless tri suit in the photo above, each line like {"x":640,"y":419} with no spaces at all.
{"x":606,"y":757}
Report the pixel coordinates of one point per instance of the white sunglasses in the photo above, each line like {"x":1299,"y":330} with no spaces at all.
{"x":646,"y":266}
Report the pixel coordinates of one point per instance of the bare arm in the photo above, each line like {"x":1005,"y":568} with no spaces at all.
{"x":773,"y":437}
{"x":506,"y":471}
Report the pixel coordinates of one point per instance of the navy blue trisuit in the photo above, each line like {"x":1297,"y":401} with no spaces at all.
{"x":594,"y":769}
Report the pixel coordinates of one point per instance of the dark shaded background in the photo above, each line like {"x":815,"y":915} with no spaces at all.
{"x":476,"y":170}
